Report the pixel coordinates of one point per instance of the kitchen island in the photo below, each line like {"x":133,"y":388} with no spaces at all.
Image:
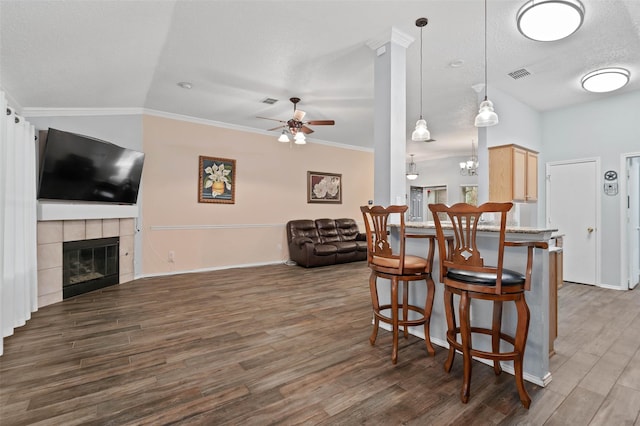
{"x":536,"y":360}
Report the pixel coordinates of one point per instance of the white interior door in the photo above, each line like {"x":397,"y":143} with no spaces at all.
{"x":572,"y":208}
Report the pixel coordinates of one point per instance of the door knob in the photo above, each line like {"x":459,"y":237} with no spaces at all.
{"x":590,"y":229}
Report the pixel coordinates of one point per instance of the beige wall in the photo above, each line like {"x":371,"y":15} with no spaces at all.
{"x":270,"y":190}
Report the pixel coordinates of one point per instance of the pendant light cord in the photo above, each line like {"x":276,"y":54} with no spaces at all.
{"x":421,"y":72}
{"x":485,"y":50}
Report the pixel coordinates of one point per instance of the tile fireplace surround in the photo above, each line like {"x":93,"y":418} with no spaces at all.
{"x":51,"y":235}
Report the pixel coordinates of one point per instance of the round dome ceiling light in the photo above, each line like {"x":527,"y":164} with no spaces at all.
{"x":550,"y":20}
{"x":605,"y":80}
{"x":185,"y":85}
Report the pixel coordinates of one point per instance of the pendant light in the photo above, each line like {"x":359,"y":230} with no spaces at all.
{"x":421,"y":133}
{"x":486,"y":115}
{"x":412,"y":173}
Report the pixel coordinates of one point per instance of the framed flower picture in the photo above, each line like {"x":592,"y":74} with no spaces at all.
{"x":217,"y":182}
{"x":324,"y":188}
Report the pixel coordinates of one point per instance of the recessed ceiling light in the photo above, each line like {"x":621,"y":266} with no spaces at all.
{"x":605,"y":80}
{"x":456,"y":63}
{"x":550,"y":20}
{"x":185,"y":85}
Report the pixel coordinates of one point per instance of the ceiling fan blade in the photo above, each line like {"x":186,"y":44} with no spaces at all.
{"x":275,"y":128}
{"x":274,"y":119}
{"x":306,"y":129}
{"x":321,"y":122}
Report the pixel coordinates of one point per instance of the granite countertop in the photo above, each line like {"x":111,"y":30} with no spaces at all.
{"x":488,"y":227}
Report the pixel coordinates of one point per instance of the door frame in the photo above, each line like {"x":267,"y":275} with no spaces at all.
{"x":598,"y":224}
{"x":624,"y":255}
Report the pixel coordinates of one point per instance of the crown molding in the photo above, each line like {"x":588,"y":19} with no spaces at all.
{"x":78,"y":112}
{"x":393,"y":35}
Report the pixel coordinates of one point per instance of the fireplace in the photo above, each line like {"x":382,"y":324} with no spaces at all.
{"x":89,"y":265}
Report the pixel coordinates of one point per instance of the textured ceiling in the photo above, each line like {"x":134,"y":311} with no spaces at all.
{"x":130,"y":54}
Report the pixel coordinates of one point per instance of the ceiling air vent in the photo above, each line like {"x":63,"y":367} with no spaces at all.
{"x":521,"y":73}
{"x":269,"y":101}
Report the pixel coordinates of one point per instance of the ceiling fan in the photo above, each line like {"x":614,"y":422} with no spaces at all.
{"x":295,"y":124}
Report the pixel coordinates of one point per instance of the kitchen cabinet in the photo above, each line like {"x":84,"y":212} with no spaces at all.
{"x":513,"y":174}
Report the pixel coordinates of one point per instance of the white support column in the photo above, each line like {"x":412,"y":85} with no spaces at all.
{"x":390,"y":104}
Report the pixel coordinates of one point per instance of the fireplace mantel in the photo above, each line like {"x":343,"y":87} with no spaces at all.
{"x":51,"y":210}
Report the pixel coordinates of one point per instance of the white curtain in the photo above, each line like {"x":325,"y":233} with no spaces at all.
{"x":18,"y":267}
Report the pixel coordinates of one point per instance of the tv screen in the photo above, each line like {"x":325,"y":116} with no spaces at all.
{"x":80,"y":168}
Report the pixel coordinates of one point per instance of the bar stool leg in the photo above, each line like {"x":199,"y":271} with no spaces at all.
{"x":520,"y":341}
{"x":376,"y":308}
{"x":428,"y":307}
{"x":465,"y":335}
{"x":495,"y":336}
{"x":394,"y":318}
{"x":451,"y":327}
{"x":405,"y":307}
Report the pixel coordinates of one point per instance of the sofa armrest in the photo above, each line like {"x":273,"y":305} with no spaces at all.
{"x":361,"y":237}
{"x":300,"y":241}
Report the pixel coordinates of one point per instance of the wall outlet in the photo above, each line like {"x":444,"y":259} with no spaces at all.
{"x":172,"y":256}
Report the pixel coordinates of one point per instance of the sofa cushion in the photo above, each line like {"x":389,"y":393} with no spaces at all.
{"x":324,"y":249}
{"x":345,"y":246}
{"x":302,"y":228}
{"x":347,"y":229}
{"x":327,"y":230}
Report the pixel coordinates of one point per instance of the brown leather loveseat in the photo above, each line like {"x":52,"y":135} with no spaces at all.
{"x":324,"y":242}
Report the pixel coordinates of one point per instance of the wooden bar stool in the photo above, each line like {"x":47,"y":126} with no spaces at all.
{"x":463,"y":272}
{"x":396,"y":266}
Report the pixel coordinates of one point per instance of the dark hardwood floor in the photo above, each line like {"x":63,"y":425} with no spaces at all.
{"x":286,"y":345}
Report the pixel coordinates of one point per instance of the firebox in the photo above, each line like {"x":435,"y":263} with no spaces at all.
{"x":89,"y":265}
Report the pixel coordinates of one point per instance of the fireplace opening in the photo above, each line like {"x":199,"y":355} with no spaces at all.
{"x":89,"y":265}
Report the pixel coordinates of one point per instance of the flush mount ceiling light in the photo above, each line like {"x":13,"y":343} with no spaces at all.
{"x":486,"y":115}
{"x":421,"y":133}
{"x":605,"y":80}
{"x":412,"y":173}
{"x":550,"y":20}
{"x":185,"y":85}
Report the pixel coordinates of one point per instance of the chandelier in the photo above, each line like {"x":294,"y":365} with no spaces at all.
{"x":470,"y":167}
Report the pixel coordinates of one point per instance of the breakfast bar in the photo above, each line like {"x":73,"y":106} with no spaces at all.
{"x":536,"y":360}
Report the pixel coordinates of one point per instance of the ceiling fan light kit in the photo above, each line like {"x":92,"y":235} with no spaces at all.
{"x":486,"y":115}
{"x":549,"y":20}
{"x":421,"y":133}
{"x":605,"y":80}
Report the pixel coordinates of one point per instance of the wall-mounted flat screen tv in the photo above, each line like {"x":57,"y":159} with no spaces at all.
{"x":81,"y":168}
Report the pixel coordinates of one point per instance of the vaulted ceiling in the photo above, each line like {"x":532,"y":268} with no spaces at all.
{"x":235,"y":53}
